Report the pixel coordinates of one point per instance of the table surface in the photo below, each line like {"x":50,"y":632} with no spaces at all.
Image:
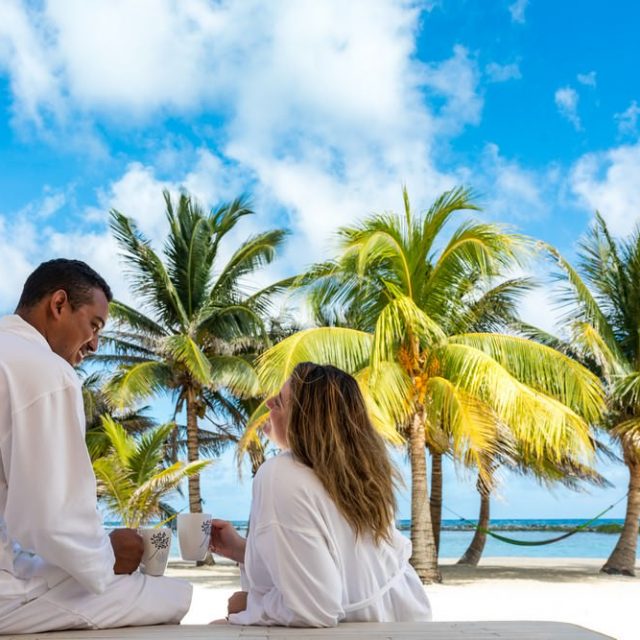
{"x":516,"y":630}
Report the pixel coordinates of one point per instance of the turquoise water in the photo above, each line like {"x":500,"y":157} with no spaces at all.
{"x":457,"y":535}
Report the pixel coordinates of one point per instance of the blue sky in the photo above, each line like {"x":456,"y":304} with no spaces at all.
{"x":321,"y":111}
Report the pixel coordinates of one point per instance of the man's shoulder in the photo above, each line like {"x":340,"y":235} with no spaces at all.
{"x":32,"y":369}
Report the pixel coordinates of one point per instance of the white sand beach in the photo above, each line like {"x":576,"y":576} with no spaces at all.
{"x":564,"y":590}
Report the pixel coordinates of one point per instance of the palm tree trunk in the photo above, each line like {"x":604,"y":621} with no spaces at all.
{"x":474,"y":552}
{"x":195,"y":499}
{"x":623,"y":558}
{"x":435,"y":500}
{"x":424,"y":556}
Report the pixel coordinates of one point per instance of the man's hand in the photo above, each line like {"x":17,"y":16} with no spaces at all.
{"x":237,"y":602}
{"x":226,"y":541}
{"x":127,"y":547}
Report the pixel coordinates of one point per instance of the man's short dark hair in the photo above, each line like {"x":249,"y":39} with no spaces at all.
{"x":77,"y":278}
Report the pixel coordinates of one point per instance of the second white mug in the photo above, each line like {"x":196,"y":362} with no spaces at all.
{"x":194,"y":532}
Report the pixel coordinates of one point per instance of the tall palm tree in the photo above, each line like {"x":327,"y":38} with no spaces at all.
{"x":407,"y":289}
{"x":192,"y":332}
{"x":603,"y":300}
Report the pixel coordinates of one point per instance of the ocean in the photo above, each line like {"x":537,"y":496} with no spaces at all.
{"x":456,"y":536}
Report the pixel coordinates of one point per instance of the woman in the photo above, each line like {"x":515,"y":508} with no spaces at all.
{"x":323,"y":547}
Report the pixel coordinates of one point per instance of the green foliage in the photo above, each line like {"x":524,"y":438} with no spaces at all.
{"x":424,"y":303}
{"x":602,"y":302}
{"x":608,"y":528}
{"x":132,"y":480}
{"x":196,"y":326}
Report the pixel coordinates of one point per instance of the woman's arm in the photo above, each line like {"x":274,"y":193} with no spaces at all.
{"x":307,"y":587}
{"x":226,"y":541}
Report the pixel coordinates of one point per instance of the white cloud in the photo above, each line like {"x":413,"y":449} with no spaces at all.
{"x":16,"y":243}
{"x":325,"y":110}
{"x":455,"y":79}
{"x":502,"y":72}
{"x":515,"y":193}
{"x":628,"y":120}
{"x":46,"y":206}
{"x":588,"y":79}
{"x":138,"y":195}
{"x":566,"y":99}
{"x":31,"y":63}
{"x":517,"y":10}
{"x":608,"y":182}
{"x":539,"y":309}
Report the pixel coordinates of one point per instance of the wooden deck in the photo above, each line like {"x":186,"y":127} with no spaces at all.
{"x":349,"y":631}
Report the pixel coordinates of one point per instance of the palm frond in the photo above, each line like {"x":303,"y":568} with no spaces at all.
{"x":184,"y":350}
{"x":472,"y":424}
{"x":149,"y":452}
{"x":543,"y":369}
{"x":254,"y":253}
{"x":120,"y":441}
{"x":402,"y":320}
{"x":347,"y":349}
{"x":148,"y":275}
{"x":235,"y":374}
{"x":583,"y":305}
{"x":136,"y":320}
{"x":132,"y":383}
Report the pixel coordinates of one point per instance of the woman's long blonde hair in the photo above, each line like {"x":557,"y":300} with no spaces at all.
{"x":329,"y":430}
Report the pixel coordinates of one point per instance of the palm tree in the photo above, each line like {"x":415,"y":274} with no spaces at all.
{"x":408,"y":291}
{"x":197,"y":320}
{"x":132,"y":481}
{"x":603,"y":299}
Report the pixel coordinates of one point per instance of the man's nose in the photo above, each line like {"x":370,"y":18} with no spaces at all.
{"x":93,"y":344}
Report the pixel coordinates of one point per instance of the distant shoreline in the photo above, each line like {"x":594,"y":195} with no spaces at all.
{"x":603,"y":525}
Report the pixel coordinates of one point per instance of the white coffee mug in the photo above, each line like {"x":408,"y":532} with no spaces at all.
{"x":194,"y":532}
{"x":157,"y":544}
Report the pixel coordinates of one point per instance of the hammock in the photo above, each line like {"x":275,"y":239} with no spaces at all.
{"x":539,"y":543}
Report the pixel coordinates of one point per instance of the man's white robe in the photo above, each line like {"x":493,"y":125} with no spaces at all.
{"x":56,"y":560}
{"x":305,"y":567}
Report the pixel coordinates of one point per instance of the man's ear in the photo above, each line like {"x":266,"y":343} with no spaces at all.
{"x":57,"y":302}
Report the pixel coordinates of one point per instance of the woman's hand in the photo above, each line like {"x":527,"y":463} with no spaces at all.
{"x":237,"y":602}
{"x":226,"y":541}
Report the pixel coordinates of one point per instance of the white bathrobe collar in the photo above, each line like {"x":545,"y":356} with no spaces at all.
{"x":15,"y":324}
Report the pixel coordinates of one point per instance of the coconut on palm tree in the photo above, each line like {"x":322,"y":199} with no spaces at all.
{"x":603,"y":300}
{"x":406,"y":290}
{"x":196,"y":319}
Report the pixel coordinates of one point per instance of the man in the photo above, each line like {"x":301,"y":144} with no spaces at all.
{"x":58,"y":567}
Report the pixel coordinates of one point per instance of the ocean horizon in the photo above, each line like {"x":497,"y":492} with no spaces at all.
{"x":456,"y":535}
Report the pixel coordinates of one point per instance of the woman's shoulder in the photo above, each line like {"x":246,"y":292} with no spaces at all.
{"x":289,"y":494}
{"x":283,"y":466}
{"x":291,"y":481}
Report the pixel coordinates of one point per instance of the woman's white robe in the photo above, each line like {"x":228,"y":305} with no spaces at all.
{"x":305,"y":567}
{"x":56,"y":560}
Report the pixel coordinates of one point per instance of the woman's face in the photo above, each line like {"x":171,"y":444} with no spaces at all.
{"x":276,"y":428}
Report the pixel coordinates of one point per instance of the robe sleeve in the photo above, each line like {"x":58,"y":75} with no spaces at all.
{"x":307,"y":589}
{"x":51,"y":506}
